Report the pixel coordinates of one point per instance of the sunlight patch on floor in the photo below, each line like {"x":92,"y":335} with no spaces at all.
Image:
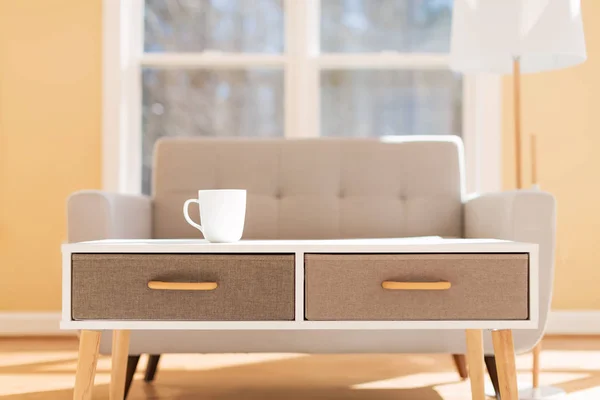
{"x":570,"y":360}
{"x":411,"y":381}
{"x":27,"y":358}
{"x":46,"y":372}
{"x":585,"y":394}
{"x":453,"y":391}
{"x":182,"y":362}
{"x":203,"y":362}
{"x":553,"y":378}
{"x":441,"y":379}
{"x":13,"y":384}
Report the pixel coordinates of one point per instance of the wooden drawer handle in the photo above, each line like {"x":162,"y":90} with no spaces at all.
{"x":392,"y":285}
{"x":158,"y":285}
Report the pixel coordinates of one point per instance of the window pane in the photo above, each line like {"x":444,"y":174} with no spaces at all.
{"x":378,"y":25}
{"x":254,"y":26}
{"x":221,"y":103}
{"x":366,"y":103}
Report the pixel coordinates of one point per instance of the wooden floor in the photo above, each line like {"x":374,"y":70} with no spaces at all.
{"x":43,"y":369}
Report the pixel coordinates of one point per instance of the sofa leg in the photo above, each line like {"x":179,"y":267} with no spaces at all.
{"x":460,"y":361}
{"x":132,"y":362}
{"x":152,"y":367}
{"x":490,"y":363}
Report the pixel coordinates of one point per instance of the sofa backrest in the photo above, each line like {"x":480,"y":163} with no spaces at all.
{"x":316,"y":188}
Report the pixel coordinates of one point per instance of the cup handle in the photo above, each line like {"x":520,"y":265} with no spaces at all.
{"x":187,"y":216}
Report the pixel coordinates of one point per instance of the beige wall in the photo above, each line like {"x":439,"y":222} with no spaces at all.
{"x":563,"y":109}
{"x":50,"y":138}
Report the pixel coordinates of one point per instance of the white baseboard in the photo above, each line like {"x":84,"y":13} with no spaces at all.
{"x":31,"y":324}
{"x":574,"y":322}
{"x":564,"y":322}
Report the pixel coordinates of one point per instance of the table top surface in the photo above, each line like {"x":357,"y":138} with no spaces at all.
{"x":401,"y":245}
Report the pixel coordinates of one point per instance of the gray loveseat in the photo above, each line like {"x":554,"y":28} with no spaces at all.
{"x":319,"y":189}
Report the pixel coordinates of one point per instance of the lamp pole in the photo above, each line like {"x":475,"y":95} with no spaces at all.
{"x":517,"y":112}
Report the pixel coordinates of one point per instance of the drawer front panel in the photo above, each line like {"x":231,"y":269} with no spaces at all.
{"x":249,"y":287}
{"x":345,"y":287}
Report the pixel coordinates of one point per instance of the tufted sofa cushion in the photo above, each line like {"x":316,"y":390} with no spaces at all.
{"x":316,"y":188}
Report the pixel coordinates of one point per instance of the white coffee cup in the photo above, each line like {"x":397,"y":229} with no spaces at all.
{"x":222,"y":214}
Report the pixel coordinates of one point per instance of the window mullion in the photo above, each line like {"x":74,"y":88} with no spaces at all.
{"x":290,"y":87}
{"x":313,"y":34}
{"x":385,"y":60}
{"x":469,"y":134}
{"x":212,"y":60}
{"x":112,"y":97}
{"x":301,"y":82}
{"x":132,"y":25}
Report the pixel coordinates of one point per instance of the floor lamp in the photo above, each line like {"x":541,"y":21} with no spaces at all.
{"x":517,"y":36}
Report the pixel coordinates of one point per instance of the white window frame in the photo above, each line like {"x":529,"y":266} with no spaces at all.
{"x":301,"y":62}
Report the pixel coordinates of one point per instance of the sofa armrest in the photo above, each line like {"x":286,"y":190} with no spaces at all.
{"x":523,"y":216}
{"x":96,"y":215}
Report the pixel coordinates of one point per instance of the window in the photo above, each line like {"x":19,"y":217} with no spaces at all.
{"x":282,"y":68}
{"x":413,"y":95}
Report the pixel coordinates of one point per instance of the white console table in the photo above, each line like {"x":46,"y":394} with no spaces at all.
{"x":382,"y":284}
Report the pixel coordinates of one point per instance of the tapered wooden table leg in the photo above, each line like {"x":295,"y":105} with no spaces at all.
{"x":118,"y":373}
{"x":89,"y":343}
{"x":475,"y":363}
{"x":536,"y":365}
{"x":504,"y":350}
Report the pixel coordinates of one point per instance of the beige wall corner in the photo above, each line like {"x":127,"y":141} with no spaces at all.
{"x":50,"y":138}
{"x":561,"y":109}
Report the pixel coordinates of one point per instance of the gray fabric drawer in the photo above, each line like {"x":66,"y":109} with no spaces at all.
{"x":250,"y":287}
{"x":349,"y":287}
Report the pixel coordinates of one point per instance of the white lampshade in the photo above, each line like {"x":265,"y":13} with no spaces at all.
{"x":487,"y":35}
